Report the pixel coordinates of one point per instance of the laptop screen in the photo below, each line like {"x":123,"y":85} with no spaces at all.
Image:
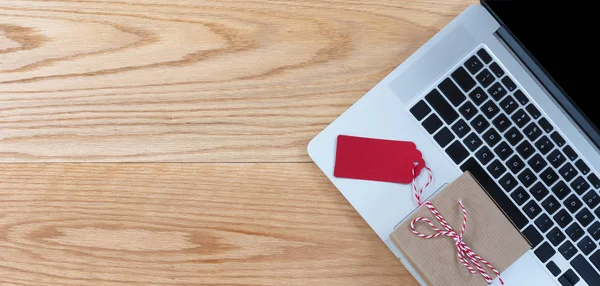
{"x":554,"y":33}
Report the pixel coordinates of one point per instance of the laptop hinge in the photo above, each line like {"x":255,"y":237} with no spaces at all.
{"x":551,"y":87}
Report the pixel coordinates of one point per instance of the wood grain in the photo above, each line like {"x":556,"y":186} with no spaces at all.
{"x":179,"y":224}
{"x":241,"y":86}
{"x":193,"y":81}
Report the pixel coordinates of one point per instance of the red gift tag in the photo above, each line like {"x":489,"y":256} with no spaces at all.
{"x":376,"y":159}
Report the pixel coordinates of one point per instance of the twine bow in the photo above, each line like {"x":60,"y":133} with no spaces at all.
{"x":465,"y":255}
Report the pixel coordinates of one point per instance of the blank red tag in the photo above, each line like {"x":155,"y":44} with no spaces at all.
{"x":376,"y":159}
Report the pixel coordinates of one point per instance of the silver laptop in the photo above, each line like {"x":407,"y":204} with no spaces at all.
{"x":498,"y":92}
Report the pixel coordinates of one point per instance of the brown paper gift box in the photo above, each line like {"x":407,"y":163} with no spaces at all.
{"x":488,"y":233}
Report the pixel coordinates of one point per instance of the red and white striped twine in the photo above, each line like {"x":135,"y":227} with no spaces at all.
{"x":464,"y":252}
{"x":418,"y":192}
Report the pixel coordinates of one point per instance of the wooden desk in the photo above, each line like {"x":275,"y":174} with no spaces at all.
{"x":165,"y":141}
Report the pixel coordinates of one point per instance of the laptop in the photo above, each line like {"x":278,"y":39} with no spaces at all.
{"x":499,"y":92}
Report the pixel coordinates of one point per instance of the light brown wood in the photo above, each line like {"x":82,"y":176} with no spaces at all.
{"x":226,"y":224}
{"x":194,"y":81}
{"x":227,"y":83}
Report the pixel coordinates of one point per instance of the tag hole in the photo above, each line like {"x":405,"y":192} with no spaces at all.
{"x":416,"y":163}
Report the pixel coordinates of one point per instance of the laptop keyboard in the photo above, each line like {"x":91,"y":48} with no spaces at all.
{"x":490,"y":127}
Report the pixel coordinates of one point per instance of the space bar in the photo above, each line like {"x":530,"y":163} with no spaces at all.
{"x":585,"y":270}
{"x":497,"y":194}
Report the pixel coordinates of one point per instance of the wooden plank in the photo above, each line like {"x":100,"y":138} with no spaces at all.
{"x":176,"y":224}
{"x":193,"y":81}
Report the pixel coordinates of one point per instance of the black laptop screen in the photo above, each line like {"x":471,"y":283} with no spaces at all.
{"x":554,"y":33}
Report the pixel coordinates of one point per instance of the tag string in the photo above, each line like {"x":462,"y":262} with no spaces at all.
{"x":465,"y":255}
{"x":419,"y":191}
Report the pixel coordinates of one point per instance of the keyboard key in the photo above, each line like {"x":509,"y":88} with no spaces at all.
{"x":508,"y":182}
{"x":463,"y":79}
{"x":491,"y":137}
{"x":564,"y":281}
{"x":551,"y":205}
{"x":478,"y":96}
{"x":556,"y":236}
{"x":533,"y":111}
{"x":484,"y":56}
{"x":509,"y":105}
{"x":484,"y":155}
{"x":568,"y":172}
{"x":432,"y":123}
{"x":597,"y":212}
{"x":585,"y":217}
{"x":544,"y":252}
{"x":593,"y":179}
{"x":485,"y":78}
{"x":570,"y":277}
{"x":537,"y":163}
{"x":544,"y":145}
{"x":582,"y":166}
{"x":594,"y":230}
{"x":532,"y":235}
{"x":570,"y":153}
{"x":520,"y":118}
{"x":503,"y":150}
{"x":561,"y":190}
{"x":521,"y":97}
{"x":513,"y":136}
{"x":480,"y":124}
{"x":473,"y":65}
{"x":525,"y":149}
{"x":573,"y":203}
{"x":591,"y":199}
{"x":580,"y":185}
{"x":496,"y":70}
{"x":567,"y":250}
{"x":532,"y":209}
{"x":472,"y":141}
{"x":563,"y":218}
{"x":490,"y":109}
{"x":556,"y":158}
{"x":586,"y":245}
{"x":497,"y":91}
{"x":441,"y":106}
{"x":509,"y":84}
{"x":557,"y":139}
{"x":451,"y":91}
{"x":585,"y":270}
{"x":520,"y":196}
{"x":544,"y":223}
{"x":468,"y":110}
{"x":496,"y":168}
{"x":527,"y":178}
{"x":501,"y":122}
{"x":420,"y":110}
{"x":493,"y":190}
{"x":457,"y":152}
{"x":515,"y":164}
{"x":532,"y":131}
{"x":546,"y":126}
{"x":444,"y":137}
{"x":461,"y":128}
{"x":575,"y":232}
{"x":539,"y":192}
{"x":595,"y":259}
{"x":553,"y":268}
